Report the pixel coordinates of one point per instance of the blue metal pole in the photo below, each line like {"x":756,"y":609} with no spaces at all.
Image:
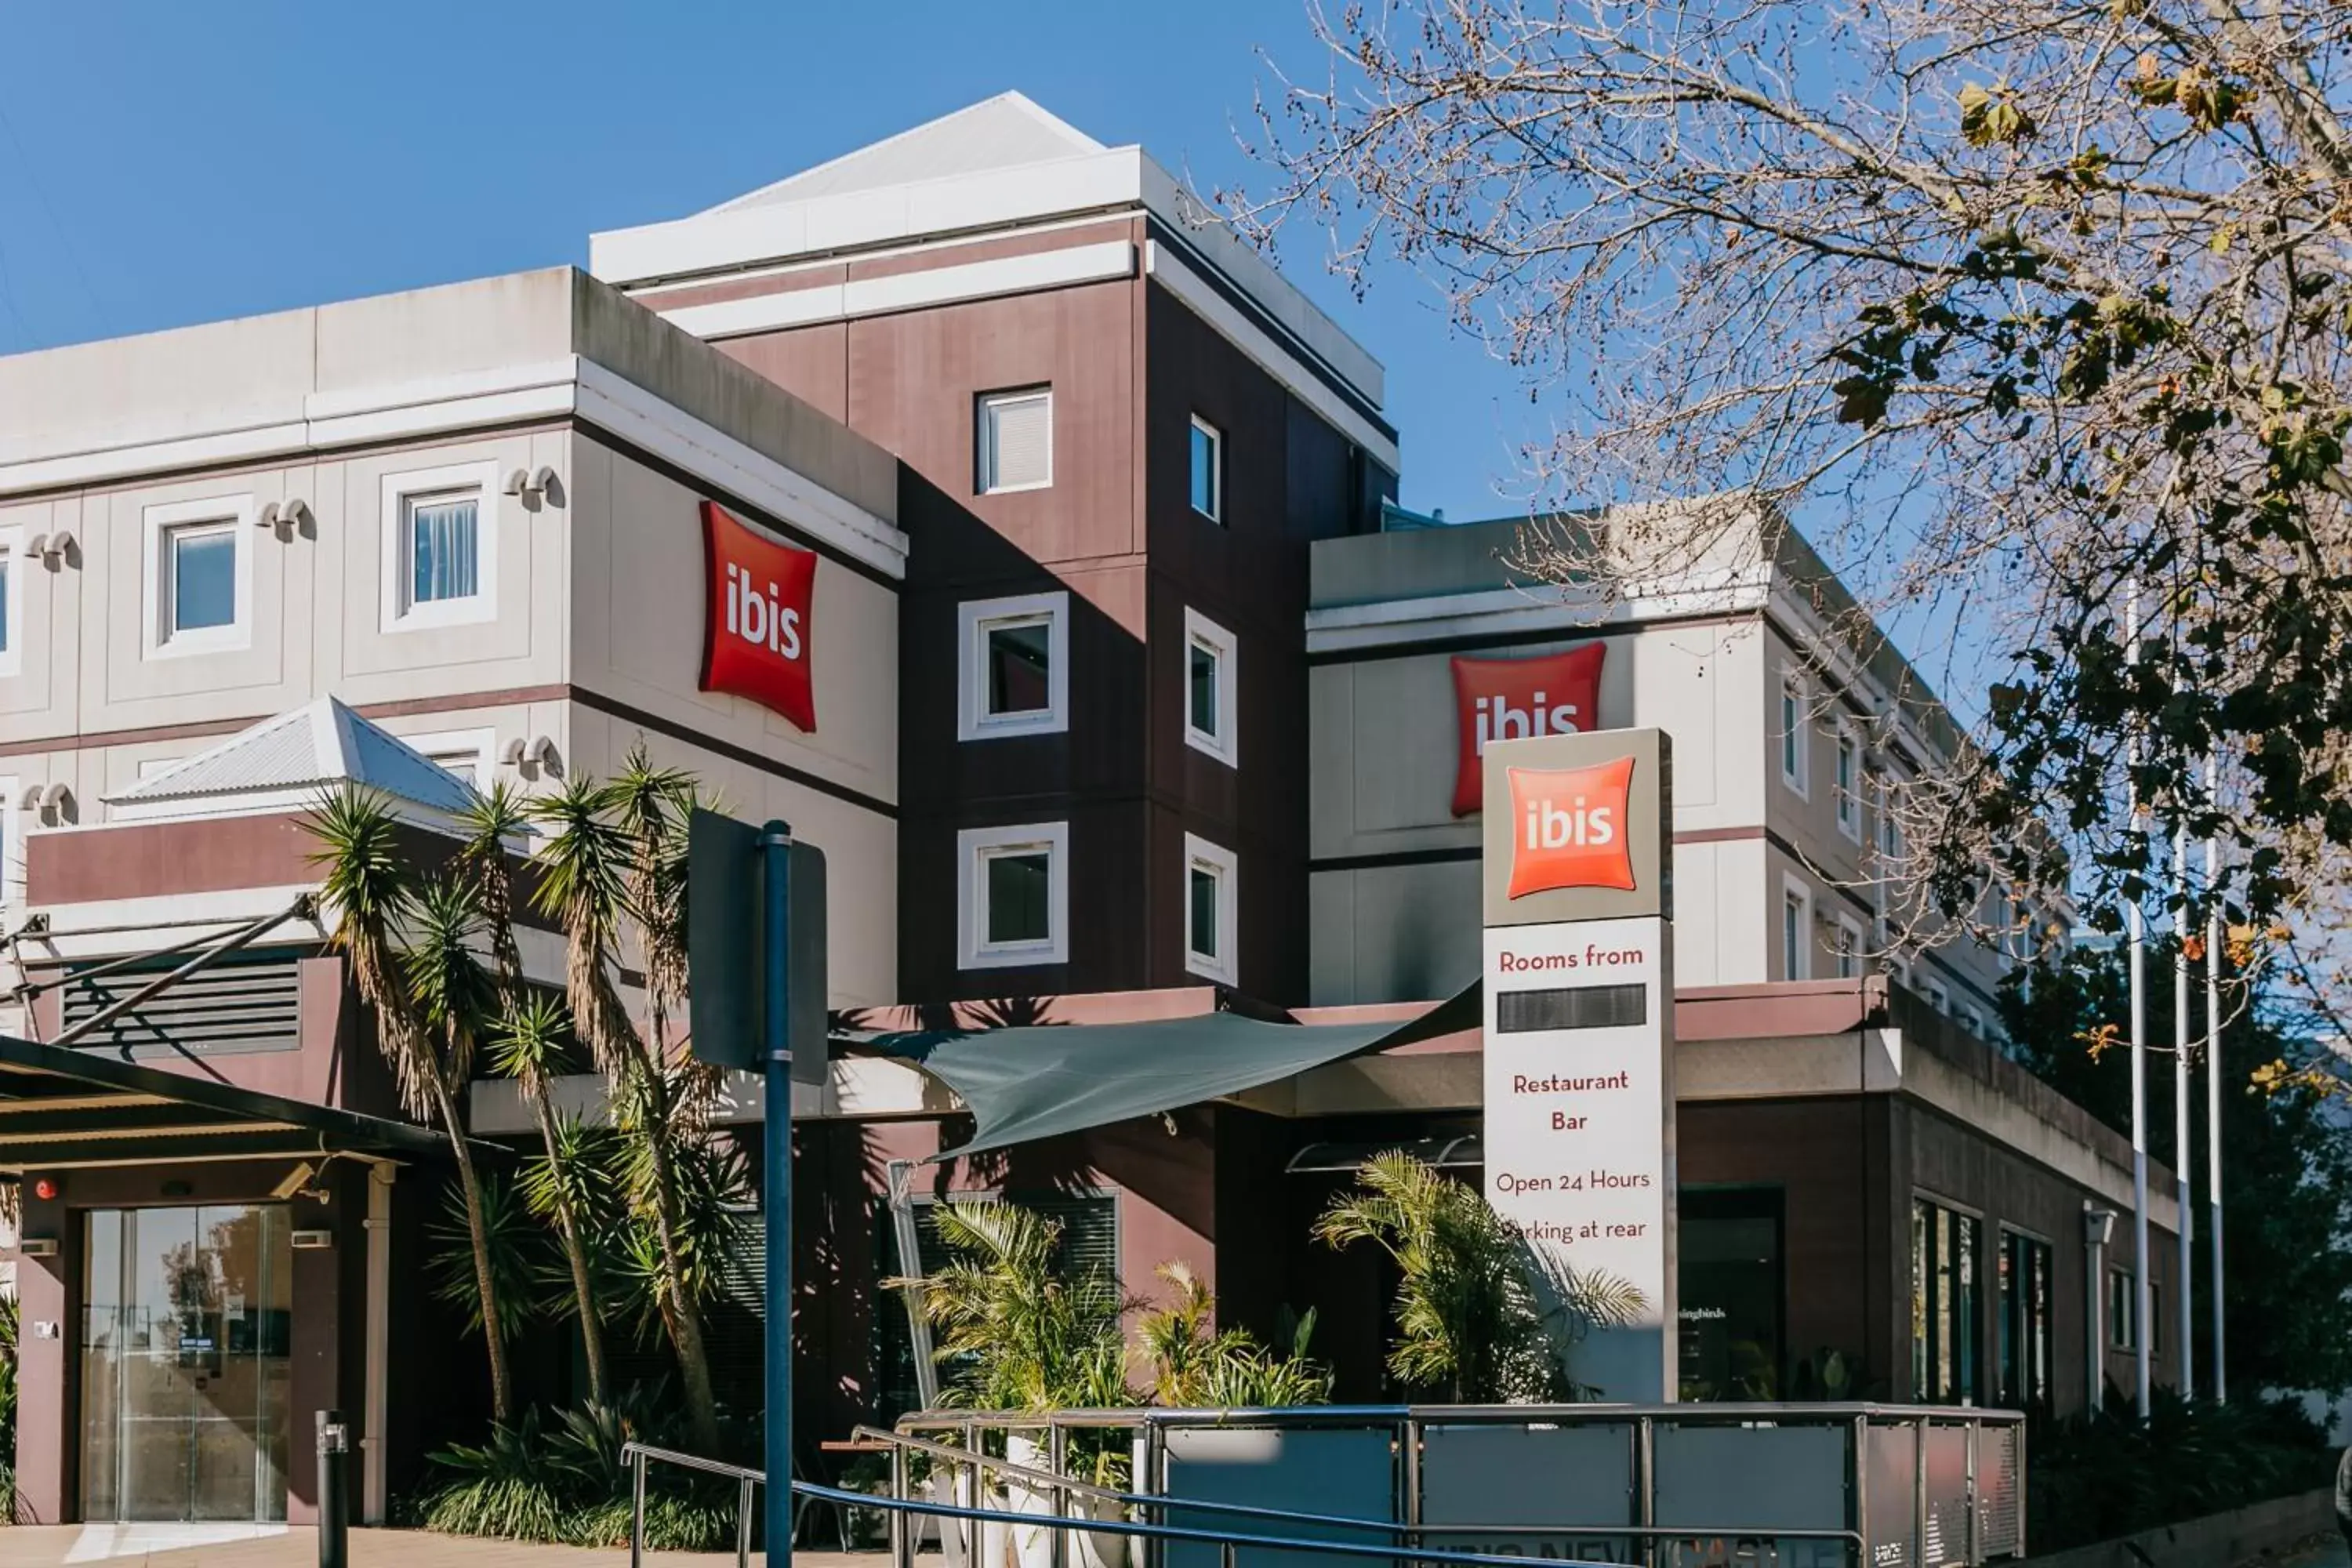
{"x":776,"y":1153}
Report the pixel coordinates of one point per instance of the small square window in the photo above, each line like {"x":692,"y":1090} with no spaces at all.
{"x":198,"y":587}
{"x":1207,"y":470}
{"x":441,"y":537}
{"x":440,"y":547}
{"x":1211,"y":910}
{"x":1938,"y":998}
{"x":1013,"y":443}
{"x":1015,"y":658}
{"x":1013,"y":886}
{"x":1795,"y":932}
{"x":11,"y":585}
{"x":1848,"y":781}
{"x":1849,"y":948}
{"x":1792,"y":732}
{"x":1210,"y":680}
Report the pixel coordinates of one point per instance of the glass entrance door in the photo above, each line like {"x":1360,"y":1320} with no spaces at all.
{"x":185,"y":1364}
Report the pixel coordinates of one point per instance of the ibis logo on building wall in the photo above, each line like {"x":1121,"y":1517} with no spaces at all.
{"x":1513,"y":699}
{"x":755,"y":625}
{"x":1570,"y":828}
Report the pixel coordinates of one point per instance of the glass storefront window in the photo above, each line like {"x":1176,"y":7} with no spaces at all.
{"x":186,"y":1367}
{"x":1731,"y":1288}
{"x":2024,"y":1323}
{"x":1944,"y":1325}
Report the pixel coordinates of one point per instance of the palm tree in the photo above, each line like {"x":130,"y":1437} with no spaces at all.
{"x":427,"y":1006}
{"x":611,"y":870}
{"x":1022,"y":1332}
{"x":1479,"y":1315}
{"x":1197,"y":1366}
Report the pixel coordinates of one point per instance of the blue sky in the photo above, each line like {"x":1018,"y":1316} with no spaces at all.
{"x":162,"y":164}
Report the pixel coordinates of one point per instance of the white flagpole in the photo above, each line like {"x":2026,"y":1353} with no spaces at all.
{"x":2213,"y":1074}
{"x":2182,"y":1151}
{"x":2136,"y":918}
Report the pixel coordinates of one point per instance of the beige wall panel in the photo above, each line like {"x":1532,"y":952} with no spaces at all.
{"x":861,"y":847}
{"x":253,"y":372}
{"x":39,"y":696}
{"x":1409,"y":932}
{"x":521,"y":645}
{"x":640,"y":612}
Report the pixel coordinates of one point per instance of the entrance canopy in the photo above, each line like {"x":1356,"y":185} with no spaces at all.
{"x":62,"y":1108}
{"x":1029,"y":1081}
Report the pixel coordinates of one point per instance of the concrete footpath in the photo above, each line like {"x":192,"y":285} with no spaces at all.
{"x":181,"y":1546}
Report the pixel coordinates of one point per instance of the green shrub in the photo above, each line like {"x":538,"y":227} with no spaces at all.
{"x":565,"y":1483}
{"x":2114,"y":1476}
{"x":9,"y":1324}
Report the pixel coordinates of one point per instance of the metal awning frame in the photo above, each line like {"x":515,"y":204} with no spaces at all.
{"x":62,"y":1108}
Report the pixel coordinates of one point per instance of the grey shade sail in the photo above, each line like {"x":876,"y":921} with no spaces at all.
{"x":1030,"y":1081}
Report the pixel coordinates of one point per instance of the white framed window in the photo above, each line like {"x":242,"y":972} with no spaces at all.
{"x":12,"y":600}
{"x":1793,"y":732}
{"x":1937,"y":996}
{"x":440,"y":540}
{"x":1211,"y":910}
{"x":1849,"y":948}
{"x":197,"y":590}
{"x":1012,"y":904}
{"x":1014,"y":654}
{"x":1847,"y":783}
{"x":471,"y":756}
{"x":1212,"y":661}
{"x":1012,"y":441}
{"x":12,"y":851}
{"x":1207,"y":470}
{"x":1972,"y":1021}
{"x":1796,"y":930}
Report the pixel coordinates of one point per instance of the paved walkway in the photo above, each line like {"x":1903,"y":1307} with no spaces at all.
{"x":133,"y":1546}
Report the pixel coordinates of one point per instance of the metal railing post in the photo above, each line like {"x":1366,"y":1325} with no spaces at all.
{"x":743,"y":1525}
{"x":1919,"y":1493}
{"x":1057,"y":1455}
{"x":637,"y":1513}
{"x":1976,"y":1545}
{"x":1645,"y":1472}
{"x":1411,"y":1469}
{"x":902,"y":1547}
{"x":1865,"y":1555}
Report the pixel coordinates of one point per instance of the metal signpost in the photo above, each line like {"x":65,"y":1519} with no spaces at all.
{"x":1580,"y":997}
{"x":757,"y":990}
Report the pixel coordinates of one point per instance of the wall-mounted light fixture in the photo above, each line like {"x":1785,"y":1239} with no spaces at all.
{"x":533,"y":757}
{"x":56,"y":550}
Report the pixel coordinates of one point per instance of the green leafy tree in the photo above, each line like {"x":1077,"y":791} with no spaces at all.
{"x":406,"y":939}
{"x":2286,"y":1192}
{"x":2015,"y":303}
{"x":1481,"y":1318}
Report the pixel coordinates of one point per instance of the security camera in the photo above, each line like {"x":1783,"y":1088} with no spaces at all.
{"x":297,"y":1182}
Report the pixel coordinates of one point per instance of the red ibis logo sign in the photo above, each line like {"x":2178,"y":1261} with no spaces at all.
{"x":1512,"y":699}
{"x":1570,"y":828}
{"x":755,"y":623}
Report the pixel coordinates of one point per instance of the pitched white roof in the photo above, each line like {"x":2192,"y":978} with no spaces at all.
{"x":289,"y":760}
{"x":1007,"y":132}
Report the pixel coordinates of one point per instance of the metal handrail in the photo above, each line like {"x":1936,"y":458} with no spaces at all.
{"x":1159,"y":1502}
{"x":1229,"y":1545}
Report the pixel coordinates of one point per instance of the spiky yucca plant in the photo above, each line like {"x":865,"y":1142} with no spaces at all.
{"x":1021,"y":1331}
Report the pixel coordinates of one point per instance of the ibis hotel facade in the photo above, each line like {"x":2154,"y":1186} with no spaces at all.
{"x":1030,"y":546}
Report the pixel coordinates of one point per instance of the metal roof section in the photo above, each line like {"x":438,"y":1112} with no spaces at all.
{"x":289,"y":761}
{"x":999,"y":165}
{"x":1007,"y":132}
{"x":62,"y":1110}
